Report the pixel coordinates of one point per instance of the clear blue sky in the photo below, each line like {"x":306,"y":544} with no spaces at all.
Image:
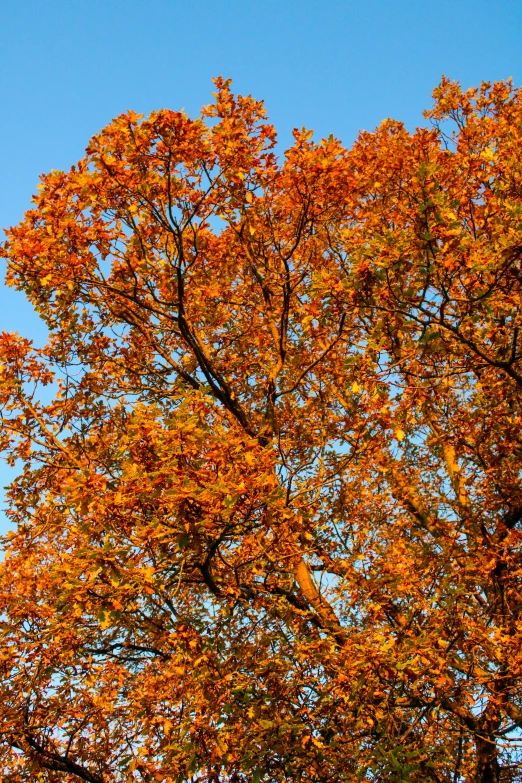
{"x":69,"y":66}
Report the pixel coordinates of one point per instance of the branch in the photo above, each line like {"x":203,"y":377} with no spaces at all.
{"x":321,"y":606}
{"x":404,"y":493}
{"x":319,"y":359}
{"x":450,"y":459}
{"x":54,"y":762}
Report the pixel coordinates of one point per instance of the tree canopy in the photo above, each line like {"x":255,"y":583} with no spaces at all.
{"x":266,"y":525}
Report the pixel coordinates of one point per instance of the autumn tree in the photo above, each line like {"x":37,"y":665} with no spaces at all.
{"x":266,"y":525}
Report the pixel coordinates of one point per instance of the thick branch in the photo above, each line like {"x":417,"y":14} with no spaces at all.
{"x":309,"y":589}
{"x":54,"y":762}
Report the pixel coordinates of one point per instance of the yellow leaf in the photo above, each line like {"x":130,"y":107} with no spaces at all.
{"x":356,"y":388}
{"x":105,"y":623}
{"x":399,"y":434}
{"x":167,"y":725}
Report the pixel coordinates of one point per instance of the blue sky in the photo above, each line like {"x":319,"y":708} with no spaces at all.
{"x":69,"y":66}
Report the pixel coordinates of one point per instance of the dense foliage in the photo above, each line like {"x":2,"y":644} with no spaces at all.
{"x":267,"y":522}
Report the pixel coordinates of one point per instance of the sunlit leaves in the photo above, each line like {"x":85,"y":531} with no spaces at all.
{"x":267,"y":522}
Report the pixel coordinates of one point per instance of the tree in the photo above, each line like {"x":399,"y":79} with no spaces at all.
{"x":267,"y":522}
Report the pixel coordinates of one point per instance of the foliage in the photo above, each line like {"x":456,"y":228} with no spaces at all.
{"x":267,"y":522}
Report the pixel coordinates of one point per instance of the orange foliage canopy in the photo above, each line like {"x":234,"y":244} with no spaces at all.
{"x":267,"y":525}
